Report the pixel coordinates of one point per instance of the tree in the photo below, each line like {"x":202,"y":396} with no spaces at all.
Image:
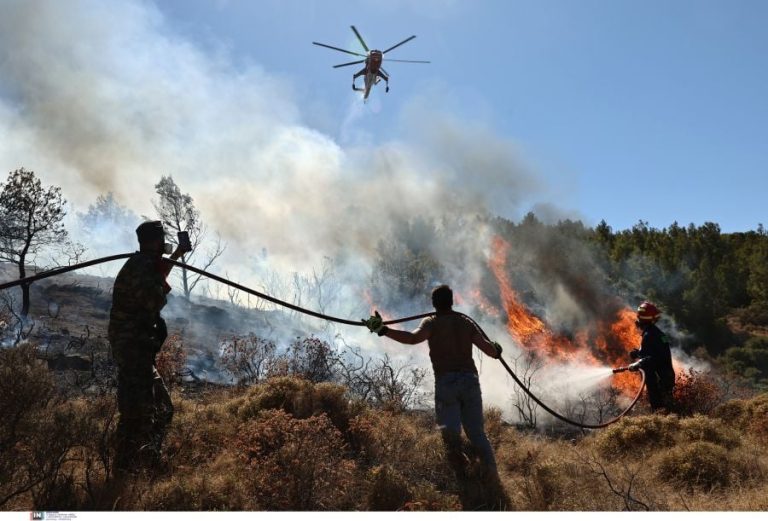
{"x":406,"y":269}
{"x":178,"y":213}
{"x":109,"y":225}
{"x":30,"y":220}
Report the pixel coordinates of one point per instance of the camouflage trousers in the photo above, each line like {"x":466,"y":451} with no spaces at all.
{"x":145,"y":411}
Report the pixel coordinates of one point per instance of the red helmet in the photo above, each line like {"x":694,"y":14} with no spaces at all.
{"x":647,"y":312}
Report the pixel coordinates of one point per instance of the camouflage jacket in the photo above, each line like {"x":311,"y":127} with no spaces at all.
{"x":137,"y":298}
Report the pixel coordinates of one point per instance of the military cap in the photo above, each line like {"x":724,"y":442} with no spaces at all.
{"x":150,"y":231}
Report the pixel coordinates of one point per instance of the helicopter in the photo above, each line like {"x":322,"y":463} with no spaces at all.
{"x":372,"y":72}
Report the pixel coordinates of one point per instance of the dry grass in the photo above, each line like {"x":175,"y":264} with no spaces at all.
{"x":289,"y":444}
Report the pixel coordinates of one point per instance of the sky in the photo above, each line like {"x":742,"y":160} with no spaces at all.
{"x":627,"y":110}
{"x":623,"y":110}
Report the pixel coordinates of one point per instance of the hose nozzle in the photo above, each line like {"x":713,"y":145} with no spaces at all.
{"x":620,"y":370}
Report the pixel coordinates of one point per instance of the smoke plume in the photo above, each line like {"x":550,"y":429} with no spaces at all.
{"x":101,"y":97}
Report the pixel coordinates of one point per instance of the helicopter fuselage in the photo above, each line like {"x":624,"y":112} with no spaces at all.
{"x":372,"y":68}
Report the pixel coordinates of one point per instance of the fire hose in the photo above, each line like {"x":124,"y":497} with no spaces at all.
{"x":65,"y":269}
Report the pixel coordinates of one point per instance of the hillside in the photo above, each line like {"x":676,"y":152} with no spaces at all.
{"x":286,"y":440}
{"x":289,"y":444}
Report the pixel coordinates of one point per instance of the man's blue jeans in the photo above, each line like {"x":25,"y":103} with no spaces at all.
{"x":458,"y":403}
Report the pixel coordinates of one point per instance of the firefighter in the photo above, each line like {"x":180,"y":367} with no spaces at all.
{"x":458,"y":401}
{"x":655,"y":358}
{"x":136,"y":333}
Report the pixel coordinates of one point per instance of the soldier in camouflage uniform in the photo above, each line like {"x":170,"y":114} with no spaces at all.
{"x":136,"y":333}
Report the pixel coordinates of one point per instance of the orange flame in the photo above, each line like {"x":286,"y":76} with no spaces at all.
{"x":606,"y":344}
{"x":369,"y":299}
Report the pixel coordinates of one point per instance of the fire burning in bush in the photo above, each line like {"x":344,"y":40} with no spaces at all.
{"x":606,"y":343}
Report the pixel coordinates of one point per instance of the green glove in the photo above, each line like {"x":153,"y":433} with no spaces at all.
{"x":375,"y":324}
{"x":498,"y":349}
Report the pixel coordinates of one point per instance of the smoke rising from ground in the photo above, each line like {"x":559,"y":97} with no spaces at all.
{"x":106,"y":98}
{"x":98,"y":97}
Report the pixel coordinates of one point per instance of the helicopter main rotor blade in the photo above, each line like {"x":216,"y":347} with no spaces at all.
{"x":399,"y":44}
{"x":338,"y":49}
{"x":408,"y":61}
{"x":362,"y":42}
{"x":350,"y":63}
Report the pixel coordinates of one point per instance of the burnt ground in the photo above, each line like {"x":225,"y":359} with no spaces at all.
{"x":70,"y":315}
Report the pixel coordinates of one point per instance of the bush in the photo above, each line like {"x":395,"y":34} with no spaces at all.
{"x":634,"y":437}
{"x":26,"y":388}
{"x":543,"y":484}
{"x":217,"y":486}
{"x":382,"y":437}
{"x":748,"y":415}
{"x":426,"y":497}
{"x":756,"y":313}
{"x":494,"y":427}
{"x":697,"y":392}
{"x":712,"y":430}
{"x":700,"y":464}
{"x":312,"y":359}
{"x":297,"y":397}
{"x":295,"y":464}
{"x":171,"y":360}
{"x":249,"y":359}
{"x":198,"y":433}
{"x":387,"y":489}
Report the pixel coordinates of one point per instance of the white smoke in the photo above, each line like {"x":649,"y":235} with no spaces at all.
{"x":104,"y":96}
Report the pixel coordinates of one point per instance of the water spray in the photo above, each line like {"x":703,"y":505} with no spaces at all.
{"x":635,"y":367}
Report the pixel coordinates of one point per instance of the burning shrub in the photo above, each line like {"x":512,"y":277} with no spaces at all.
{"x":171,"y":360}
{"x":636,"y":436}
{"x":701,"y":464}
{"x":295,"y":464}
{"x":696,"y":392}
